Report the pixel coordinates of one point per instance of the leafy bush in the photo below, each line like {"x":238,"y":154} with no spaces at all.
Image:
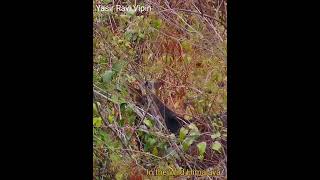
{"x":187,"y":52}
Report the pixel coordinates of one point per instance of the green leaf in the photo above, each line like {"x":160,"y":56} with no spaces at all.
{"x":147,"y":122}
{"x":140,"y":35}
{"x":172,"y":136}
{"x":130,"y":12}
{"x":134,"y":37}
{"x":115,"y":99}
{"x":187,"y":117}
{"x":117,"y":67}
{"x":186,"y":46}
{"x":216,"y":135}
{"x":128,"y":35}
{"x":107,"y":76}
{"x":155,"y":151}
{"x":156,"y":23}
{"x":104,"y":136}
{"x":130,"y":78}
{"x":202,"y":147}
{"x":182,"y":134}
{"x":97,"y":122}
{"x":194,"y":132}
{"x":127,"y":43}
{"x":188,"y":59}
{"x":192,"y":126}
{"x":119,"y":175}
{"x":216,"y":146}
{"x":151,"y":141}
{"x":187,"y":142}
{"x":201,"y":157}
{"x":110,"y":119}
{"x":95,"y":110}
{"x":124,"y":16}
{"x":224,"y":135}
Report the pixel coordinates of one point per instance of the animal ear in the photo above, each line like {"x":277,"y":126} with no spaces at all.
{"x":153,"y":85}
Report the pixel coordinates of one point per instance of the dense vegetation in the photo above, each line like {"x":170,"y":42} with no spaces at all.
{"x":182,"y":44}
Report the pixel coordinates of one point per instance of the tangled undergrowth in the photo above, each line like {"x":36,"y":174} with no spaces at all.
{"x":179,"y":45}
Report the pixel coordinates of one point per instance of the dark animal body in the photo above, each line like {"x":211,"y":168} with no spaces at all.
{"x":172,"y":120}
{"x":147,"y":99}
{"x":145,"y":96}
